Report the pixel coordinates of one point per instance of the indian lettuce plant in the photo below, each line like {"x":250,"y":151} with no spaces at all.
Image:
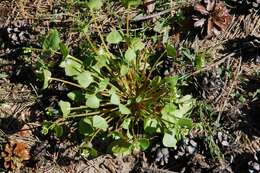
{"x":117,"y":96}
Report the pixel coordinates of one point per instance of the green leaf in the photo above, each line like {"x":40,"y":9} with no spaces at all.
{"x":124,"y":110}
{"x":45,"y":127}
{"x":115,"y":99}
{"x":143,"y":143}
{"x":99,"y":122}
{"x":186,"y":98}
{"x":64,"y":50}
{"x":133,"y":3}
{"x":52,"y":41}
{"x":114,"y":37}
{"x":171,"y":51}
{"x":3,"y":75}
{"x":137,"y":44}
{"x":185,"y":122}
{"x":150,"y":125}
{"x":75,"y":95}
{"x":124,"y":70}
{"x":169,"y":140}
{"x":103,"y":84}
{"x":85,"y":126}
{"x":101,"y":62}
{"x":93,"y":101}
{"x":85,"y":79}
{"x":89,"y":152}
{"x":65,"y":108}
{"x":46,"y":77}
{"x":126,"y":123}
{"x":200,"y":61}
{"x":72,"y":67}
{"x":121,"y":149}
{"x":95,"y":4}
{"x":130,"y":55}
{"x":58,"y":130}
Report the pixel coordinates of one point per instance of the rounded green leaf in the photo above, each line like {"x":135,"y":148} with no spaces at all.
{"x":58,"y":130}
{"x":89,"y":152}
{"x":95,"y":4}
{"x":124,"y":70}
{"x":150,"y":125}
{"x":121,"y":149}
{"x":72,"y":67}
{"x":137,"y":44}
{"x":85,"y":127}
{"x":64,"y":50}
{"x":99,"y":122}
{"x":115,"y":99}
{"x":130,"y":55}
{"x":46,"y":77}
{"x":52,"y":41}
{"x":114,"y":37}
{"x":143,"y":143}
{"x":126,"y":123}
{"x":124,"y":110}
{"x":103,"y":84}
{"x":171,"y":51}
{"x":169,"y":140}
{"x":65,"y":108}
{"x":84,"y":79}
{"x":93,"y":101}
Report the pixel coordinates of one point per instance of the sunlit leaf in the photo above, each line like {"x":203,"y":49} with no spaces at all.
{"x":99,"y":122}
{"x":123,"y":109}
{"x":200,"y":61}
{"x":93,"y":101}
{"x":150,"y":125}
{"x":137,"y":44}
{"x":126,"y":123}
{"x":114,"y":37}
{"x":46,"y":77}
{"x":130,"y":3}
{"x":115,"y":99}
{"x":185,"y":122}
{"x":65,"y":108}
{"x":89,"y":152}
{"x":124,"y":70}
{"x":52,"y":41}
{"x":72,"y":67}
{"x":169,"y":140}
{"x":130,"y":55}
{"x":95,"y":4}
{"x":121,"y":149}
{"x":103,"y":84}
{"x":84,"y":79}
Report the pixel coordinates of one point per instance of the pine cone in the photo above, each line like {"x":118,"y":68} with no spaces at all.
{"x":14,"y":153}
{"x":211,"y":16}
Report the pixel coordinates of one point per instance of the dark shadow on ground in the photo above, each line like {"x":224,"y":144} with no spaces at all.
{"x":248,"y":48}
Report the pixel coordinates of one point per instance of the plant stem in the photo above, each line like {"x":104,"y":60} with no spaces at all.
{"x":67,"y":82}
{"x":84,"y":115}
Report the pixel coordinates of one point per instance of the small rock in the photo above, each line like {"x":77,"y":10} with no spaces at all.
{"x":225,"y":143}
{"x":191,"y":150}
{"x":193,"y":143}
{"x":256,"y":166}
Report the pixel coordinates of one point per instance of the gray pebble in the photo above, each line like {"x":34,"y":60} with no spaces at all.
{"x":256,"y":166}
{"x":193,"y":143}
{"x":225,"y":143}
{"x":191,"y":150}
